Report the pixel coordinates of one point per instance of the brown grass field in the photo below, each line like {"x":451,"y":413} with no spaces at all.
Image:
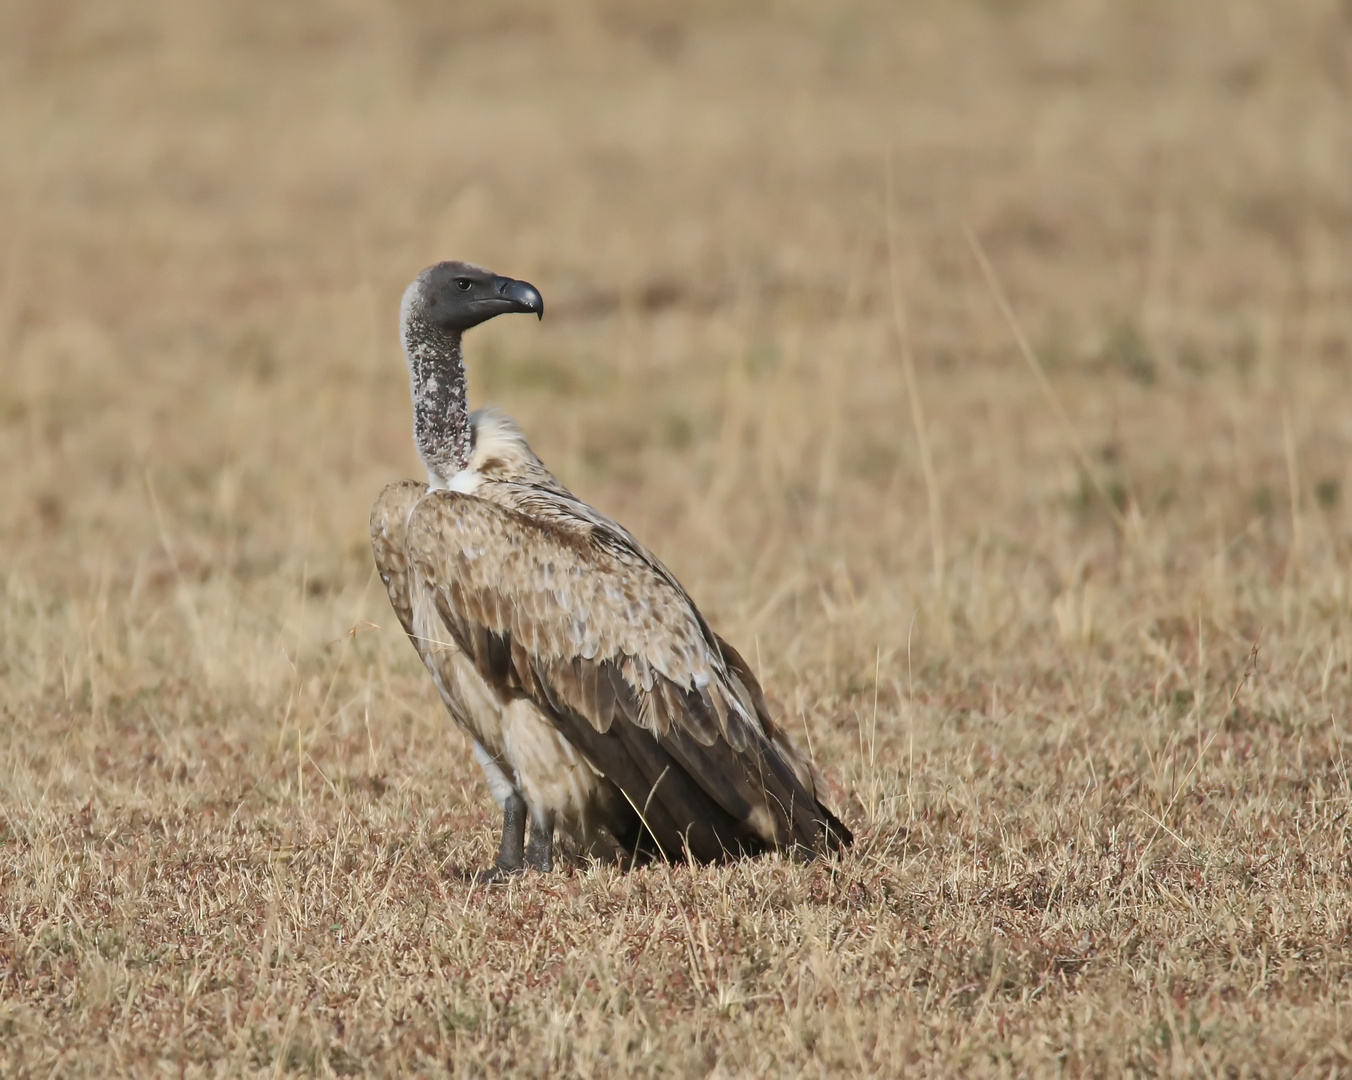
{"x":983,"y":368}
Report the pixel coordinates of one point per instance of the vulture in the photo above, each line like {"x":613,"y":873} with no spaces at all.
{"x":601,"y":705}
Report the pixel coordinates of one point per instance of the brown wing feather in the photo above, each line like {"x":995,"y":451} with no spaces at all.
{"x":744,"y":679}
{"x":554,"y":602}
{"x":389,"y":521}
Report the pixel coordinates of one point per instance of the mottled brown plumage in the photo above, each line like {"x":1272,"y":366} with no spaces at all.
{"x":598,"y":698}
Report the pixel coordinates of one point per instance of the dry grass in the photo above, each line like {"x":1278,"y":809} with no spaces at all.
{"x":1097,"y":833}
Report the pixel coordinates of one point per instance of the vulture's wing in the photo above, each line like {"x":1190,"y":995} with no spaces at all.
{"x":554,"y":602}
{"x":468,"y":699}
{"x":753,"y":697}
{"x":389,"y":522}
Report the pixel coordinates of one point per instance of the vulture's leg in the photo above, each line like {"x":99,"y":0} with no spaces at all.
{"x":510,"y":858}
{"x":510,"y":855}
{"x":540,"y":850}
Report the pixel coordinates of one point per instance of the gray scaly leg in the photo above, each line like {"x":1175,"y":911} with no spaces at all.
{"x":540,"y":850}
{"x":510,"y":858}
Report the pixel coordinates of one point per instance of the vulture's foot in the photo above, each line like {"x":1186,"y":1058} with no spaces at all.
{"x":540,"y":849}
{"x":497,"y":875}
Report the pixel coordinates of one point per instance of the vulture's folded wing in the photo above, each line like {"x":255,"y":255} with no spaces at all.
{"x":389,"y":522}
{"x":554,"y":602}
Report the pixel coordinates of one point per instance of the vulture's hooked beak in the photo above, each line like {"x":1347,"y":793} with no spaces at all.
{"x":521,"y":295}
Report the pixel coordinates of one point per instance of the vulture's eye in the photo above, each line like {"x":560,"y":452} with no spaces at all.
{"x":462,"y":284}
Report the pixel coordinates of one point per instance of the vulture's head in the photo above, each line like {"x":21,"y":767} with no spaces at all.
{"x":454,"y":296}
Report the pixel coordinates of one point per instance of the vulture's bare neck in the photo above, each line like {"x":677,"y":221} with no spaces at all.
{"x":441,"y":425}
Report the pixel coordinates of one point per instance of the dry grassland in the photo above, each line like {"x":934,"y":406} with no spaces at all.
{"x":1072,"y":641}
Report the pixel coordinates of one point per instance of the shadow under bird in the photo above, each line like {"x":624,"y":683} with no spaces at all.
{"x":601,"y":704}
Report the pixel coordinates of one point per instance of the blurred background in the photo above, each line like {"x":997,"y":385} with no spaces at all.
{"x":981,"y":367}
{"x":771,"y":347}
